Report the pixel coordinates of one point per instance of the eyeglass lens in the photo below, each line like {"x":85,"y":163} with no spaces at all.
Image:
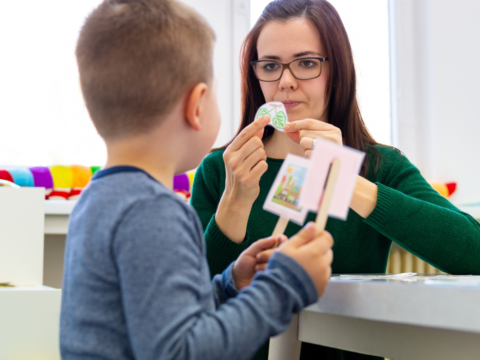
{"x":301,"y":69}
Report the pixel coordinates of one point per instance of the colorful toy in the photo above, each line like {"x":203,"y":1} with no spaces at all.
{"x":95,"y":169}
{"x":81,"y":176}
{"x":22,"y":176}
{"x":444,"y":189}
{"x":42,"y":178}
{"x":191,"y":177}
{"x":62,"y":182}
{"x":5,"y":175}
{"x":181,"y":186}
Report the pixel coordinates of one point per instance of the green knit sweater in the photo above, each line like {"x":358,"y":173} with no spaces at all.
{"x":408,"y":211}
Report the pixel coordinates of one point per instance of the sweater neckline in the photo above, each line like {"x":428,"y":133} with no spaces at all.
{"x":273,"y":160}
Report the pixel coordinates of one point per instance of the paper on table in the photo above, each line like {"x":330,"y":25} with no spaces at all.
{"x":322,"y":156}
{"x":282,"y":199}
{"x":277,"y":113}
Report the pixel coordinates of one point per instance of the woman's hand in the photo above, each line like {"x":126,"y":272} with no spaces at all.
{"x":245,"y":163}
{"x":248,"y":263}
{"x":304,"y":132}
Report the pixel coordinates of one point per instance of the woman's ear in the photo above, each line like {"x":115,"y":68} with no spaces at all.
{"x":195,"y":105}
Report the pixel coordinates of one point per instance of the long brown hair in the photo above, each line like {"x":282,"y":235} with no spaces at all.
{"x":343,"y":110}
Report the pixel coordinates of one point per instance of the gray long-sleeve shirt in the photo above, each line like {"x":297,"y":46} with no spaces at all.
{"x":137,"y":286}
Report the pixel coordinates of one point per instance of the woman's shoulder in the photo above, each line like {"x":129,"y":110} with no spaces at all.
{"x":212,"y":166}
{"x":214,"y":159}
{"x":389,"y":159}
{"x":388,"y":152}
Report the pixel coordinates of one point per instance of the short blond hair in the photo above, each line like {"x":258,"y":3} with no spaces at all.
{"x":137,"y":58}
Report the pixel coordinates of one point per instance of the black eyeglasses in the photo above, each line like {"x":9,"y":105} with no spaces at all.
{"x":301,"y":69}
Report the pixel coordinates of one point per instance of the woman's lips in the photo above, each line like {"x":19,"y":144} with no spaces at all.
{"x":291,"y":104}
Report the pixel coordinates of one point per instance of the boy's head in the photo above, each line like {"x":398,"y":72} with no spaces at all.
{"x":137,"y":59}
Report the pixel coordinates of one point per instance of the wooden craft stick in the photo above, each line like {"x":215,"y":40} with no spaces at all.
{"x":281,"y":226}
{"x":322,"y":214}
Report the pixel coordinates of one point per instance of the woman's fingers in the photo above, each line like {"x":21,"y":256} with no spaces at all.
{"x":253,"y":159}
{"x":307,"y":143}
{"x":251,"y":130}
{"x":308,"y":124}
{"x":256,"y":173}
{"x":310,"y":128}
{"x":249,"y":148}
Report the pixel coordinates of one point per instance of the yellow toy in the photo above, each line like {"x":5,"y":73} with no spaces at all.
{"x":444,"y":189}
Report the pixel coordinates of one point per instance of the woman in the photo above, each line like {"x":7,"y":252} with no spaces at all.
{"x":298,"y":52}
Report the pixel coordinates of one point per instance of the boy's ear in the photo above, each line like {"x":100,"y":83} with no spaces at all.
{"x":195,"y":105}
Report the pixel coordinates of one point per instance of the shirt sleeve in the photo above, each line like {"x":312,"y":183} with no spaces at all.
{"x":169,"y":306}
{"x":224,"y":286}
{"x":410,"y":212}
{"x":206,"y":194}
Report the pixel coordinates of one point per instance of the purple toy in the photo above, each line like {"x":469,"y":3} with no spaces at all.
{"x":181,"y":182}
{"x":42,"y":178}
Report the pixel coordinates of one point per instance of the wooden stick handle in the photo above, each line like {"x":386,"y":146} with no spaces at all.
{"x":281,"y":226}
{"x":322,"y":214}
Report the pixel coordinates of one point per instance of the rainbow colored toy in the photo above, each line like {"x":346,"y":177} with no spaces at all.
{"x":67,"y":182}
{"x":60,"y":182}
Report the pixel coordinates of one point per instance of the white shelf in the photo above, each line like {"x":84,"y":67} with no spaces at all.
{"x":59,"y":207}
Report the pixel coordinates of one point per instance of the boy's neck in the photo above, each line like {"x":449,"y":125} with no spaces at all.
{"x":144,"y":153}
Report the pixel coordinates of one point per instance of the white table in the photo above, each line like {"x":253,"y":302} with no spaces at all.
{"x":29,"y":325}
{"x":399,"y":320}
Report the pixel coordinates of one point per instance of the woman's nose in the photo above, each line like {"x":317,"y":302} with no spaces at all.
{"x":287,"y":81}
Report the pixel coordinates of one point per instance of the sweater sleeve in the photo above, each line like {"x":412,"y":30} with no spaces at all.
{"x":207,"y":191}
{"x":411,"y":213}
{"x":167,"y":303}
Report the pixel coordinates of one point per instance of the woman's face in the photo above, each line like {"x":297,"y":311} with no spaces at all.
{"x":287,"y":41}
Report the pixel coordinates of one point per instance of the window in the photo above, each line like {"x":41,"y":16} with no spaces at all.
{"x":43,"y":120}
{"x":366,"y":22}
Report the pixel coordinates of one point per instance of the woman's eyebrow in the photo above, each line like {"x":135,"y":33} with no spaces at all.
{"x":305,"y":53}
{"x":300,"y":54}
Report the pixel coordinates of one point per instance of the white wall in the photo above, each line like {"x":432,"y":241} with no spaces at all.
{"x":435,"y":92}
{"x":43,"y":120}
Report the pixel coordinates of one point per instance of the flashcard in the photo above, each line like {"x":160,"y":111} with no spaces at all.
{"x":283,"y":197}
{"x":277,"y":113}
{"x":322,"y":156}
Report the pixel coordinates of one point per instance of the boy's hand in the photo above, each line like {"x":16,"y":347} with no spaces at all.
{"x":312,"y":251}
{"x":247,"y":264}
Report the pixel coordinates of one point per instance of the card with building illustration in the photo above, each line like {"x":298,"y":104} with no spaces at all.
{"x":277,"y":113}
{"x":284,"y":194}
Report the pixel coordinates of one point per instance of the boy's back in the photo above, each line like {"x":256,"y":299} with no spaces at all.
{"x":137,"y":283}
{"x":112,"y":247}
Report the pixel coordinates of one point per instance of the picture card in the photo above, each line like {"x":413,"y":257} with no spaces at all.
{"x":322,"y":156}
{"x":277,"y":113}
{"x":283,"y":197}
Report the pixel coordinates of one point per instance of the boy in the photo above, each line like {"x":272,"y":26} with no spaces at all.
{"x":136,"y":282}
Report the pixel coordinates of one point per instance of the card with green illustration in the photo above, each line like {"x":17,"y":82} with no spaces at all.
{"x":277,"y":113}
